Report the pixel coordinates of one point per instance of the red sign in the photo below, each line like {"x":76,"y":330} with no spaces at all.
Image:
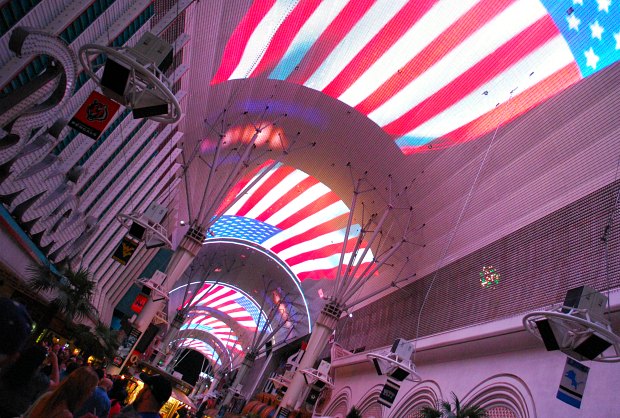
{"x":94,"y":115}
{"x":139,"y":303}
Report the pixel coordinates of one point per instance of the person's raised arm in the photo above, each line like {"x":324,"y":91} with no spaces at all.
{"x":54,"y":375}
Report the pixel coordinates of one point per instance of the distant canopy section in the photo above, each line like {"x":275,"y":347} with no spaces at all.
{"x":202,"y":347}
{"x":433,"y":73}
{"x":230,"y":303}
{"x":296,"y":217}
{"x":215,"y":327}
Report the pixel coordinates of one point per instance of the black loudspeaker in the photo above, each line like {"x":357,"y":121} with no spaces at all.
{"x":592,"y":346}
{"x":548,"y":337}
{"x":315,"y":392}
{"x":377,"y":366}
{"x":313,"y":396}
{"x":166,"y":62}
{"x":399,"y":374}
{"x":147,"y":338}
{"x":114,"y":80}
{"x":148,"y":111}
{"x":153,"y":242}
{"x":573,"y":297}
{"x":149,"y":105}
{"x":137,"y":231}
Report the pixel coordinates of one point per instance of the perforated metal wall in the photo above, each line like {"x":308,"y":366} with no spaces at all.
{"x":537,"y":264}
{"x":500,"y":412}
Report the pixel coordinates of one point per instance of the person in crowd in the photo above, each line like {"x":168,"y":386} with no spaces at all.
{"x":62,"y":363}
{"x":98,"y":403}
{"x":67,"y":398}
{"x":15,"y":329}
{"x":155,"y":393}
{"x":117,"y":395}
{"x":48,"y":369}
{"x":22,"y":382}
{"x":69,"y":368}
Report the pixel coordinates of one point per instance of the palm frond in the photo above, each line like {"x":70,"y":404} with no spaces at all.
{"x":82,"y":281}
{"x":473,"y":411}
{"x":455,"y":409}
{"x":41,"y":278}
{"x":446,"y":407}
{"x":430,"y":412}
{"x":457,"y":404}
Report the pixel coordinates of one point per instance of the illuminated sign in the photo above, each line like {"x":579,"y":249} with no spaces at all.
{"x":139,"y":303}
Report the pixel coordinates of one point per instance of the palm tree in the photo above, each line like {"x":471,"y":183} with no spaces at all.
{"x":99,"y":342}
{"x":354,"y":413}
{"x":72,"y":292}
{"x":460,"y":411}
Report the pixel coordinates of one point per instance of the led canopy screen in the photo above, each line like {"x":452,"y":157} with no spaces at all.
{"x":215,"y":327}
{"x":229,"y":302}
{"x":294,"y":216}
{"x":431,"y":73}
{"x":200,"y":346}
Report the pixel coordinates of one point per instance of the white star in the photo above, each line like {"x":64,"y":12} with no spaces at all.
{"x":603,"y":5}
{"x":580,"y":2}
{"x":617,"y":38}
{"x":591,"y":58}
{"x":597,"y":31}
{"x":573,"y":22}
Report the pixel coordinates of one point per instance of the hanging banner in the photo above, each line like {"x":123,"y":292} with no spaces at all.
{"x":125,"y":348}
{"x":94,"y":115}
{"x":573,"y":383}
{"x":125,"y":250}
{"x":389,"y":392}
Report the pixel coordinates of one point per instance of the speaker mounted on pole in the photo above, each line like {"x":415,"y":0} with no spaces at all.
{"x":578,"y":327}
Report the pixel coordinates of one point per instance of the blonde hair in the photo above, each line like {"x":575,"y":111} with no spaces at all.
{"x":70,"y":394}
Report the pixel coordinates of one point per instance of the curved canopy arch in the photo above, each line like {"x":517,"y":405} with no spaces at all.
{"x":222,"y":352}
{"x":200,"y":346}
{"x":222,"y":310}
{"x":209,"y":323}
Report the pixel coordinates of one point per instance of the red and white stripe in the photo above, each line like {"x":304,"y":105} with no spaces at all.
{"x":224,"y":299}
{"x":202,"y":347}
{"x":312,"y":219}
{"x":428,"y":69}
{"x":215,"y":327}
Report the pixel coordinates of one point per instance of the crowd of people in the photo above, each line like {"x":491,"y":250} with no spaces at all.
{"x":45,"y":381}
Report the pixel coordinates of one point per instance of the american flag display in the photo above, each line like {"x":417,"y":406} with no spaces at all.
{"x":296,"y":217}
{"x":215,"y":327}
{"x":202,"y":347}
{"x":431,"y":73}
{"x":228,"y":301}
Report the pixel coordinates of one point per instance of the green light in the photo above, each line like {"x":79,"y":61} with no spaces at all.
{"x":489,"y":277}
